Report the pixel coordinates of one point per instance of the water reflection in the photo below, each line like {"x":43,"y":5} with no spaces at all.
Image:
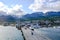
{"x":10,"y":33}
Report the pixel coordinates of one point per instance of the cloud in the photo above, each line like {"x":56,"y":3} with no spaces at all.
{"x":3,"y":7}
{"x":45,"y":5}
{"x":13,"y":10}
{"x":17,"y":7}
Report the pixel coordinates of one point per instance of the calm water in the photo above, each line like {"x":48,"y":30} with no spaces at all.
{"x":52,"y":33}
{"x":10,"y":33}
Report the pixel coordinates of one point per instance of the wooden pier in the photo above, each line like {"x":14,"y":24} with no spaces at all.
{"x":35,"y":36}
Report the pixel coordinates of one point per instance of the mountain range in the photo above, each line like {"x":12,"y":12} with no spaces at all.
{"x":40,"y":15}
{"x":32,"y":16}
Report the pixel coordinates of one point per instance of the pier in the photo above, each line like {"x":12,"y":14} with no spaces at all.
{"x":35,"y":36}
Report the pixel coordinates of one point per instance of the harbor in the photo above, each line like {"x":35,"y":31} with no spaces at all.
{"x":13,"y":33}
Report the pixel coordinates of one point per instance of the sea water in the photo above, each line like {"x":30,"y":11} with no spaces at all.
{"x":52,"y":33}
{"x":10,"y":33}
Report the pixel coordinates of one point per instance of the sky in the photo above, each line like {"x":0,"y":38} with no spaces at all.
{"x":22,"y":7}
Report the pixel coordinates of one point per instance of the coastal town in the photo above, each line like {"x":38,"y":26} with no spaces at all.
{"x":29,"y":19}
{"x":39,"y":23}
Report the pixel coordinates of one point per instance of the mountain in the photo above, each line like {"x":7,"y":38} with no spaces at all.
{"x":10,"y":18}
{"x":2,"y":13}
{"x":52,"y":14}
{"x":40,"y":15}
{"x":33,"y":16}
{"x":7,"y":18}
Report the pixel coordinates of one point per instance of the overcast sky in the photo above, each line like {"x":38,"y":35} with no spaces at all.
{"x":22,"y":7}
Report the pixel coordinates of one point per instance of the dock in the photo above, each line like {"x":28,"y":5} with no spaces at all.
{"x":35,"y":36}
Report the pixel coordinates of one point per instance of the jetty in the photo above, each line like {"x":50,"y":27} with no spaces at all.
{"x":35,"y":36}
